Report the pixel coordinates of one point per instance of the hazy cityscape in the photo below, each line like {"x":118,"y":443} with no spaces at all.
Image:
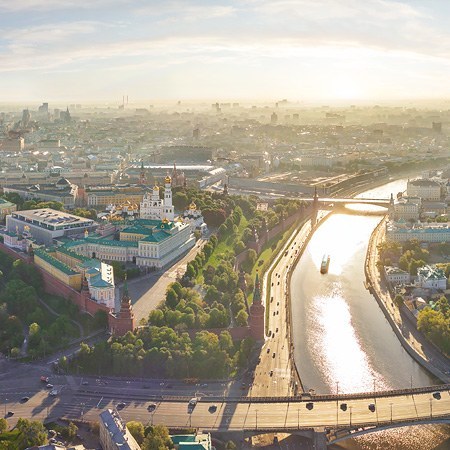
{"x":224,"y":225}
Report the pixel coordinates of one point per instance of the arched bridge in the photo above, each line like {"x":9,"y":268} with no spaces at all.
{"x":348,"y":201}
{"x":326,"y":418}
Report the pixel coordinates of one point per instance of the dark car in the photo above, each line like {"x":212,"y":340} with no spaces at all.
{"x":268,"y":350}
{"x":212,"y":408}
{"x":24,"y":399}
{"x":309,"y":406}
{"x":437,"y":395}
{"x":151,"y":407}
{"x":9,"y":414}
{"x":372,"y":407}
{"x":271,"y":373}
{"x":121,"y":405}
{"x":273,"y":356}
{"x":344,"y":406}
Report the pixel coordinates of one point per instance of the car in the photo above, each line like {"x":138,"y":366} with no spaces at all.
{"x":85,"y":383}
{"x":151,"y":407}
{"x":344,"y":406}
{"x":268,"y":350}
{"x":278,"y":284}
{"x":212,"y":408}
{"x":278,"y":312}
{"x":273,"y":355}
{"x":9,"y":414}
{"x":274,"y":313}
{"x":372,"y":407}
{"x":271,"y":373}
{"x":49,"y":386}
{"x":271,"y":299}
{"x":309,"y":406}
{"x":52,"y":433}
{"x":278,"y":303}
{"x":286,"y":253}
{"x":437,"y":395}
{"x":24,"y":399}
{"x":53,"y":392}
{"x":44,"y":379}
{"x":269,"y":333}
{"x":276,"y":331}
{"x":121,"y":405}
{"x":272,"y":284}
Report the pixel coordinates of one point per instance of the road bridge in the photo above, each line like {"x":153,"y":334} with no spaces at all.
{"x":332,"y":417}
{"x":348,"y":201}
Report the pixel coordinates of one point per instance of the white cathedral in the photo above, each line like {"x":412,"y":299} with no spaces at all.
{"x":152,"y":207}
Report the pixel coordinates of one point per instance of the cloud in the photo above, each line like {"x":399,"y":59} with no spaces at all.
{"x":51,"y":5}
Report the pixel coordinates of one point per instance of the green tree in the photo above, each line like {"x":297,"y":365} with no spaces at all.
{"x":398,"y":300}
{"x":70,"y":432}
{"x":171,"y":298}
{"x":31,"y":433}
{"x":157,"y":438}
{"x":3,"y":425}
{"x":241,"y":318}
{"x":137,"y":430}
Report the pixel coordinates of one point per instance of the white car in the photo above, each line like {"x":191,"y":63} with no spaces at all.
{"x":53,"y":392}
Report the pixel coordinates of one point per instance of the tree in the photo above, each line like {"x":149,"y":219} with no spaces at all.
{"x":32,"y":433}
{"x":70,"y":432}
{"x":157,"y":438}
{"x":241,"y":318}
{"x":3,"y":425}
{"x":137,"y":430}
{"x":398,"y":300}
{"x":230,"y":445}
{"x":171,"y":298}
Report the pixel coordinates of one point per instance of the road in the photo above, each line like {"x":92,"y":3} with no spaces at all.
{"x":274,"y":374}
{"x":77,"y":400}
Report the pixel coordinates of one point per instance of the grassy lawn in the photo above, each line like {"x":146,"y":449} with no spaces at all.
{"x":268,"y":254}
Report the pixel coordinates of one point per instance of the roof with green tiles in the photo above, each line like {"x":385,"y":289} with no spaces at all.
{"x":68,"y":252}
{"x":157,"y":237}
{"x":54,"y":262}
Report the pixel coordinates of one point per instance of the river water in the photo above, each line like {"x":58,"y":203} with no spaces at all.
{"x":343,"y":343}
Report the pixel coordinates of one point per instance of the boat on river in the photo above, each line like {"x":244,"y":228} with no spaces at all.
{"x":325,"y":264}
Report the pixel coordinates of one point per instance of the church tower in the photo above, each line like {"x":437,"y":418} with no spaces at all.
{"x":142,"y":177}
{"x":168,"y":206}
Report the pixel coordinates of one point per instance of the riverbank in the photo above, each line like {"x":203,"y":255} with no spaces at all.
{"x":414,"y":342}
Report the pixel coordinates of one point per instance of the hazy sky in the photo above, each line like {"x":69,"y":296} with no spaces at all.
{"x":307,"y":50}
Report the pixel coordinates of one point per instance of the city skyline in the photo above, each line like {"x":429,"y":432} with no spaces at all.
{"x":303,"y":50}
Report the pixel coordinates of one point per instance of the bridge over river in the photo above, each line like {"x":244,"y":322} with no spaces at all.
{"x":326,"y":418}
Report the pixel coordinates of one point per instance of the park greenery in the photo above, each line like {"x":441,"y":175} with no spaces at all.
{"x":210,"y":295}
{"x":409,"y":256}
{"x":150,"y":437}
{"x":23,"y":312}
{"x":434,"y":319}
{"x":26,"y":433}
{"x":434,"y":322}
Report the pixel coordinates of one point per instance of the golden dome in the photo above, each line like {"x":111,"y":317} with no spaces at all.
{"x":167,"y":179}
{"x":192,"y":206}
{"x":156,"y":187}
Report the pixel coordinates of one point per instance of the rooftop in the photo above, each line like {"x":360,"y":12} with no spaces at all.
{"x":49,"y":216}
{"x":118,"y":431}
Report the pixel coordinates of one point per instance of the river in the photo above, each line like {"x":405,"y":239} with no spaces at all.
{"x":343,"y":343}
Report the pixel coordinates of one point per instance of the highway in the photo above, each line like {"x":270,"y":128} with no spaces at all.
{"x":77,"y":400}
{"x":274,"y":373}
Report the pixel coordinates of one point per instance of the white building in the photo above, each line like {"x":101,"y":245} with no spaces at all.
{"x":407,"y":208}
{"x":431,"y":277}
{"x":47,"y":224}
{"x":194,"y":218}
{"x":144,"y":242}
{"x":114,"y":434}
{"x":424,"y":232}
{"x":396,"y":276}
{"x":153,"y":208}
{"x":424,"y":188}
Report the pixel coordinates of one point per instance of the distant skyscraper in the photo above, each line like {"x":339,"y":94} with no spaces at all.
{"x":273,"y":118}
{"x":43,"y":108}
{"x":26,"y":116}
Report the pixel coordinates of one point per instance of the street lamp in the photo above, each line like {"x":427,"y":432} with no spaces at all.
{"x":298,"y":418}
{"x":431,"y":408}
{"x":256,"y":411}
{"x":391,"y":411}
{"x":350,"y":415}
{"x":337,"y":404}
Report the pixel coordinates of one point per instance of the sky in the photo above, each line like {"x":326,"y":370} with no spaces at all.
{"x":302,"y":50}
